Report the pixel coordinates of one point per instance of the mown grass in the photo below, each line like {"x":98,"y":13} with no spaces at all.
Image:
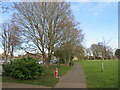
{"x":97,"y":79}
{"x":46,"y":79}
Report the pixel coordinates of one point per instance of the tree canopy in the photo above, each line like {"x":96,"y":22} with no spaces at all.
{"x":48,"y":25}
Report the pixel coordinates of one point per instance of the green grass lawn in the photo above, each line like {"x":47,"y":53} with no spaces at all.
{"x":46,"y":79}
{"x":97,"y":79}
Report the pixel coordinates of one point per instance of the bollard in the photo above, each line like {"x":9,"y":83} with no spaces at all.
{"x":55,"y":72}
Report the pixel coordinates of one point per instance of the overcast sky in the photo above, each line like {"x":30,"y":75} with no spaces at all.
{"x":98,"y":20}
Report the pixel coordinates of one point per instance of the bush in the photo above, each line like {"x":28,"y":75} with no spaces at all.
{"x":24,"y":68}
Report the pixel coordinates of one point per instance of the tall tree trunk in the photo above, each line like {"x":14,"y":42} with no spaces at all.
{"x":103,"y":65}
{"x":69,"y":59}
{"x":46,"y":60}
{"x":58,"y":61}
{"x":5,"y":56}
{"x":49,"y":57}
{"x":65,"y":60}
{"x":11,"y":53}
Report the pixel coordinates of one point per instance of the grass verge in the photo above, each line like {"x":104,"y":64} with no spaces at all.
{"x":97,"y":79}
{"x":46,"y":79}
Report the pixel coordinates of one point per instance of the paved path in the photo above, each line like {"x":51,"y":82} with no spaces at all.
{"x":19,"y":85}
{"x":75,"y":78}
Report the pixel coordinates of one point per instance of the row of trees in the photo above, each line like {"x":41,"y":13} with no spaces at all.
{"x":100,"y":50}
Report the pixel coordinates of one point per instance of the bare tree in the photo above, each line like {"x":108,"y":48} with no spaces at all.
{"x":10,"y":39}
{"x":4,"y":8}
{"x":14,"y":39}
{"x":79,"y":52}
{"x":72,"y":38}
{"x":88,"y":52}
{"x":5,"y":38}
{"x":45,"y":24}
{"x":95,"y":50}
{"x":105,"y":51}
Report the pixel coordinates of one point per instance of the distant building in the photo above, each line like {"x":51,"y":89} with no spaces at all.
{"x":35,"y":56}
{"x":75,"y":58}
